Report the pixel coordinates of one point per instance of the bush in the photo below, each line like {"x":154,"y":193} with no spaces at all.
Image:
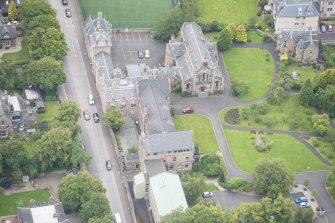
{"x":232,"y":116}
{"x":239,"y":87}
{"x":132,"y":150}
{"x":118,"y":142}
{"x":173,"y":111}
{"x":245,"y":113}
{"x":211,"y":165}
{"x":238,"y":184}
{"x":176,"y":88}
{"x":314,"y":141}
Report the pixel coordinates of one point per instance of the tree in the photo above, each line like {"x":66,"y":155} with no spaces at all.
{"x":54,"y":149}
{"x":105,"y":219}
{"x":46,"y":73}
{"x":272,"y":178}
{"x":32,"y":8}
{"x":76,"y":190}
{"x":68,"y":111}
{"x":42,"y":21}
{"x":325,"y":78}
{"x":190,"y":10}
{"x":48,"y":42}
{"x":203,"y":23}
{"x":239,"y":87}
{"x":306,"y":93}
{"x":12,"y":12}
{"x":325,"y":99}
{"x":169,"y":24}
{"x":321,"y":123}
{"x":176,"y":216}
{"x":96,"y":207}
{"x":211,"y":165}
{"x":329,"y":55}
{"x":233,"y":30}
{"x":7,"y":74}
{"x":282,"y":209}
{"x":206,"y":213}
{"x":301,"y":215}
{"x":192,"y":184}
{"x":114,"y":119}
{"x":225,"y":40}
{"x":241,"y":34}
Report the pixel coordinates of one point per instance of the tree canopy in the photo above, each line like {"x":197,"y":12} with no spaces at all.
{"x":12,"y":12}
{"x":7,"y":74}
{"x":192,"y":184}
{"x":46,"y":73}
{"x":114,"y":119}
{"x":42,"y":21}
{"x":96,"y":207}
{"x":321,"y":123}
{"x":325,"y":78}
{"x":32,"y":8}
{"x":306,"y":93}
{"x":225,"y":40}
{"x":68,"y":111}
{"x":272,"y":178}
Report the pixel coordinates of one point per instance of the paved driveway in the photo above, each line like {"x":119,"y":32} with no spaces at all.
{"x":229,"y":199}
{"x":126,"y":45}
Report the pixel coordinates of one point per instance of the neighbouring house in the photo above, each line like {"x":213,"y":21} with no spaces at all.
{"x":165,"y":194}
{"x":34,"y":98}
{"x":295,"y":15}
{"x":131,"y":161}
{"x":8,"y":34}
{"x":327,"y":8}
{"x":193,"y":61}
{"x":16,"y":115}
{"x":300,"y":45}
{"x":40,"y":214}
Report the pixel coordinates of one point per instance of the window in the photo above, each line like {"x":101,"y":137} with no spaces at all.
{"x":296,"y":24}
{"x":2,"y":122}
{"x":171,"y":166}
{"x":174,"y":158}
{"x":155,"y":154}
{"x":6,"y":43}
{"x":329,"y":9}
{"x":186,"y":166}
{"x":3,"y":133}
{"x":187,"y":158}
{"x":330,"y":3}
{"x":299,"y":11}
{"x":297,"y":17}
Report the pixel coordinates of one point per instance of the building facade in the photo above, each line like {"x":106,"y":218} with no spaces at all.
{"x":193,"y":60}
{"x":327,"y":8}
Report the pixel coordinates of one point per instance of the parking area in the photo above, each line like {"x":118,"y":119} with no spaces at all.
{"x":127,"y":44}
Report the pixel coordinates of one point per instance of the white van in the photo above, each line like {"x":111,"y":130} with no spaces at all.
{"x":147,"y":54}
{"x":90,"y":99}
{"x":117,"y":218}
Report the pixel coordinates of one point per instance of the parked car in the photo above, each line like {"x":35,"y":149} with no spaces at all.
{"x":64,"y":2}
{"x":68,"y":13}
{"x":330,"y":28}
{"x":188,"y":110}
{"x":323,"y":27}
{"x":207,"y":194}
{"x":109,"y":165}
{"x":140,"y":54}
{"x":304,"y":205}
{"x":96,"y":118}
{"x":299,"y":200}
{"x":91,"y":99}
{"x":147,"y":54}
{"x":86,"y":115}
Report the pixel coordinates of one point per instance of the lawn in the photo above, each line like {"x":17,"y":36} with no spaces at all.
{"x":127,"y":13}
{"x":253,"y":66}
{"x":9,"y":204}
{"x":254,"y":37}
{"x":50,"y":112}
{"x":203,"y":133}
{"x":228,"y":11}
{"x":297,"y":157}
{"x":304,"y":72}
{"x":289,"y":115}
{"x":208,"y":187}
{"x":21,"y":57}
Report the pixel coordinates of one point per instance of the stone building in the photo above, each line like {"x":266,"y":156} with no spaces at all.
{"x":193,"y":60}
{"x":327,"y":8}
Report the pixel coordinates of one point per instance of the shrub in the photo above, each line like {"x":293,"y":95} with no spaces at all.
{"x":239,"y":87}
{"x":314,"y":141}
{"x":173,"y":111}
{"x":232,"y":116}
{"x":132,"y":150}
{"x":211,"y":165}
{"x":245,"y":113}
{"x":238,"y":184}
{"x":176,"y":88}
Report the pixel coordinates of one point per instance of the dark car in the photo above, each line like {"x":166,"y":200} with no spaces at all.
{"x":64,"y":2}
{"x":68,"y":13}
{"x":96,"y":118}
{"x":109,"y":165}
{"x":323,"y":27}
{"x":140,"y":54}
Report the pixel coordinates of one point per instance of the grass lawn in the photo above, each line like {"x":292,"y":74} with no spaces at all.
{"x":324,"y":148}
{"x":297,"y":157}
{"x":21,"y":57}
{"x":208,"y":187}
{"x":127,"y":13}
{"x":286,"y":116}
{"x":254,"y":37}
{"x":304,"y":72}
{"x":50,"y":112}
{"x":228,"y":11}
{"x":250,"y":65}
{"x":9,"y":204}
{"x":203,"y":133}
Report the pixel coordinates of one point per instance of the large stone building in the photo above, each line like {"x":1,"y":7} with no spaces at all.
{"x":295,"y":15}
{"x":327,"y":8}
{"x":192,"y":59}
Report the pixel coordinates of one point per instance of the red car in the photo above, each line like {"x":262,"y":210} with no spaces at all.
{"x":86,"y":115}
{"x":188,"y":110}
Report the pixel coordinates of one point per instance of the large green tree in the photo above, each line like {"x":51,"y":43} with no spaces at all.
{"x":239,"y":87}
{"x":325,"y":78}
{"x":76,"y":190}
{"x":225,"y":40}
{"x":324,"y":99}
{"x":192,"y":184}
{"x":46,"y":73}
{"x":211,"y":165}
{"x":42,"y":21}
{"x":169,"y":24}
{"x":241,"y":34}
{"x":46,"y":42}
{"x":190,"y":10}
{"x":272,"y":177}
{"x":301,"y":215}
{"x":68,"y":111}
{"x":321,"y":123}
{"x":12,"y":12}
{"x":329,"y":55}
{"x":104,"y":219}
{"x":96,"y":207}
{"x":114,"y":119}
{"x":54,"y":149}
{"x":306,"y":93}
{"x":32,"y":8}
{"x":7,"y":74}
{"x":206,"y":213}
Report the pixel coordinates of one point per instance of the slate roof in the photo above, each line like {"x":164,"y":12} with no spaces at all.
{"x":98,"y":29}
{"x":167,"y":192}
{"x":7,"y":32}
{"x":155,"y":166}
{"x":153,"y":94}
{"x":43,"y":214}
{"x":168,"y":141}
{"x":104,"y":63}
{"x":294,"y":8}
{"x":302,"y":38}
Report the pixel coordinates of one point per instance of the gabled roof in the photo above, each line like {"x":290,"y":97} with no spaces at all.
{"x":168,"y":142}
{"x":167,"y":192}
{"x":153,"y":96}
{"x":296,"y":8}
{"x":7,"y":32}
{"x":98,"y":29}
{"x":302,"y":39}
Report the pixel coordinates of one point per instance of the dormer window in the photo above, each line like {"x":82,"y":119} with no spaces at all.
{"x":309,"y":10}
{"x":299,"y":11}
{"x":6,"y":36}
